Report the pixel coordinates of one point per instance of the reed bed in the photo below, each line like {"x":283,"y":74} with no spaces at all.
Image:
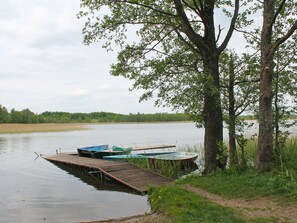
{"x":44,"y":127}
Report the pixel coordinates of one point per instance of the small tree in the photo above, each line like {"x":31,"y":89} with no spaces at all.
{"x":285,"y":90}
{"x":239,"y":94}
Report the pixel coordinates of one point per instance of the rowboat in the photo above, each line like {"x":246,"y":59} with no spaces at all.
{"x":135,"y":156}
{"x":88,"y":151}
{"x":100,"y":151}
{"x":183,"y":159}
{"x":111,"y":152}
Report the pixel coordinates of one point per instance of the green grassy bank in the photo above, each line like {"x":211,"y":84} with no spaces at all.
{"x":243,"y":183}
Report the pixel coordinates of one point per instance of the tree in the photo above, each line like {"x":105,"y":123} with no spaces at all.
{"x":28,"y":117}
{"x":177,"y":55}
{"x":239,"y":94}
{"x":4,"y":115}
{"x":285,"y":91}
{"x":15,"y":116}
{"x":270,"y":42}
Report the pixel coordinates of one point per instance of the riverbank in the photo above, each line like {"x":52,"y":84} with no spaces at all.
{"x":199,"y":205}
{"x":186,"y":203}
{"x":29,"y":128}
{"x":144,"y":218}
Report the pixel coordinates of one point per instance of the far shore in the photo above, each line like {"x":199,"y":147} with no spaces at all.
{"x":15,"y":128}
{"x":44,"y":127}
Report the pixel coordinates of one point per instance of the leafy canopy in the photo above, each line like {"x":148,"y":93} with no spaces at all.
{"x":162,"y":59}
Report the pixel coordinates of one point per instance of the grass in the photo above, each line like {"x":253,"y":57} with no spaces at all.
{"x":29,"y":128}
{"x":172,"y":170}
{"x":246,"y":184}
{"x":183,"y":206}
{"x":280,"y":185}
{"x":290,"y":155}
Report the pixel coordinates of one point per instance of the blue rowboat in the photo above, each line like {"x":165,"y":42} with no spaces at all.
{"x":88,"y":151}
{"x":115,"y":150}
{"x":100,"y":151}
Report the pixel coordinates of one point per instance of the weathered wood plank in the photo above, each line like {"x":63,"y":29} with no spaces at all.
{"x":128,"y":174}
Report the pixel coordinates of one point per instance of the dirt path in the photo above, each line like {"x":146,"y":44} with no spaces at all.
{"x":260,"y":207}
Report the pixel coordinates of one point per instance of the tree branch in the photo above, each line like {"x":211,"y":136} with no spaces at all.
{"x":280,"y":7}
{"x":281,"y":40}
{"x":146,"y":6}
{"x":231,"y":27}
{"x":194,"y":9}
{"x":186,"y":42}
{"x":219,"y":34}
{"x":187,"y":28}
{"x":247,"y":33}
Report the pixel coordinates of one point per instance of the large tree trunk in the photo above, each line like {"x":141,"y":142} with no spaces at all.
{"x":207,"y":48}
{"x":265,"y":143}
{"x":212,"y":114}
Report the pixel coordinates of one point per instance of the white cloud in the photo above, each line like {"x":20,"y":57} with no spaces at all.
{"x":79,"y":92}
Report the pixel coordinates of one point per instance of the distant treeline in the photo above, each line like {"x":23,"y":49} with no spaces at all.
{"x":27,"y":116}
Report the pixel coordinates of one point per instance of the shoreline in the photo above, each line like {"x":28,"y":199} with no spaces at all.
{"x":13,"y":128}
{"x":141,"y":218}
{"x":20,"y":128}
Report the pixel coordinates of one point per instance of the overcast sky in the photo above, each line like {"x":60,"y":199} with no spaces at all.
{"x":45,"y":67}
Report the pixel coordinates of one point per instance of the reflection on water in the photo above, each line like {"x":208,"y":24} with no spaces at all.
{"x":35,"y":190}
{"x":94,"y":178}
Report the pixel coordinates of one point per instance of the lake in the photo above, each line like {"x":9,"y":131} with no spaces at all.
{"x":35,"y":190}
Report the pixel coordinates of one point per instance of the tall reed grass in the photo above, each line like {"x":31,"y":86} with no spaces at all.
{"x":44,"y":127}
{"x":164,"y":168}
{"x":286,"y":163}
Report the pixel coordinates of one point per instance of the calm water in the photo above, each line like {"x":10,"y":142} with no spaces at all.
{"x":35,"y":190}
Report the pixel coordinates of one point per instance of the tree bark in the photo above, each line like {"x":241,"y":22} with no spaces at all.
{"x":233,"y":158}
{"x":212,"y":114}
{"x":215,"y":157}
{"x":265,"y":142}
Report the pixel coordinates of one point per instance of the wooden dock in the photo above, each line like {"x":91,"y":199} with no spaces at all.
{"x":128,"y":174}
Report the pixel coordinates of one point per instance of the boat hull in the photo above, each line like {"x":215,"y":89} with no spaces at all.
{"x":88,"y":151}
{"x":106,"y":153}
{"x":134,"y":156}
{"x":184,"y":160}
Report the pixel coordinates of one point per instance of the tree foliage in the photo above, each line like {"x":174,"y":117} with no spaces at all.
{"x":176,"y":55}
{"x":240,"y":83}
{"x":4,"y":115}
{"x":26,"y":116}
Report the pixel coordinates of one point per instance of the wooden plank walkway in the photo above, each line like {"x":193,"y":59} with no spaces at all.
{"x":136,"y":178}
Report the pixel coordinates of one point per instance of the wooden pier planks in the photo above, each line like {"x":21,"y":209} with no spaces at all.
{"x":136,"y":178}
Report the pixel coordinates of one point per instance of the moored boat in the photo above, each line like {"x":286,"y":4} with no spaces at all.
{"x":184,"y":159}
{"x":111,"y":152}
{"x":88,"y":151}
{"x":135,"y":156}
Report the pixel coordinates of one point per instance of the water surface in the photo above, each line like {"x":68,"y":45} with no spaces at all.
{"x":35,"y":190}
